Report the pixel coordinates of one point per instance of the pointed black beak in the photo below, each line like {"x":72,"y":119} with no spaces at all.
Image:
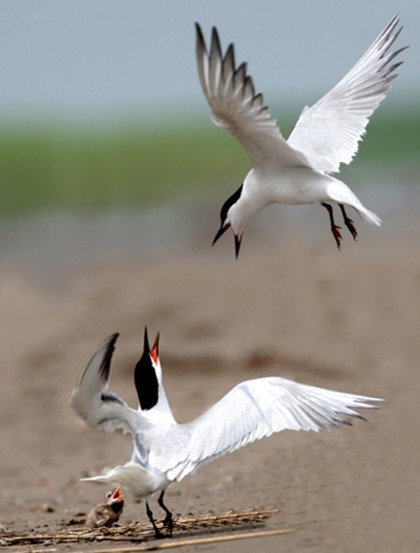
{"x":220,"y":232}
{"x":146,"y":347}
{"x":238,"y":240}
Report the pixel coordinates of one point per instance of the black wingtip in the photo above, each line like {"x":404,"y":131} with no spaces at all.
{"x":215,"y":42}
{"x":229,"y":55}
{"x":113,"y":338}
{"x":200,"y":37}
{"x":105,"y":365}
{"x":110,"y":347}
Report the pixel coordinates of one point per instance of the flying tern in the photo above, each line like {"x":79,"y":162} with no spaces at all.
{"x":165,"y":451}
{"x":296,"y":171}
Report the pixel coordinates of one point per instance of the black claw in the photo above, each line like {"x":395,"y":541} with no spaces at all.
{"x":349,"y":222}
{"x":335,"y":229}
{"x":168,"y":523}
{"x":337,"y":235}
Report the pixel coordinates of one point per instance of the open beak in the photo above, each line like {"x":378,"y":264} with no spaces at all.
{"x":117,"y":496}
{"x":220,"y":232}
{"x":155,"y":350}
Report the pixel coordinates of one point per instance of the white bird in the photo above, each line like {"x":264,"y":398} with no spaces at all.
{"x":165,"y":451}
{"x":296,"y":171}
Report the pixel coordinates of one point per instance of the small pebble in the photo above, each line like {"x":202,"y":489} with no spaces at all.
{"x":47,"y":508}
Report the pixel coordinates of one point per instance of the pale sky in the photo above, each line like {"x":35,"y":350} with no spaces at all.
{"x":101,"y":58}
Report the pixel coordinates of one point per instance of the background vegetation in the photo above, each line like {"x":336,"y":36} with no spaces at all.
{"x":45,"y":167}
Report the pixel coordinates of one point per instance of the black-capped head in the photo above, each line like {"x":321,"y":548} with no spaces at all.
{"x":145,"y":378}
{"x":225,"y":223}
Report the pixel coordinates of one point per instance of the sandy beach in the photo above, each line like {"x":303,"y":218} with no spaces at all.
{"x":292,"y":305}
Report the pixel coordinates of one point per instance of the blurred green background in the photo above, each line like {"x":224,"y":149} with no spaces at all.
{"x":43,"y":168}
{"x":100,"y":105}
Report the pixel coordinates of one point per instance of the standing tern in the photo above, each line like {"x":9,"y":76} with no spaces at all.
{"x":296,"y":171}
{"x":165,"y":451}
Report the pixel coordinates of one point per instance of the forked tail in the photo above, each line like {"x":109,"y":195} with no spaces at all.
{"x":368,"y":215}
{"x":339,"y":192}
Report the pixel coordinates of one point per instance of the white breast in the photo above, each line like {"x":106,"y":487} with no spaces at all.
{"x":290,"y":186}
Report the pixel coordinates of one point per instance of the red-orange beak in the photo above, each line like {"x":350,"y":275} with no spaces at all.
{"x":117,"y":496}
{"x":155,"y":350}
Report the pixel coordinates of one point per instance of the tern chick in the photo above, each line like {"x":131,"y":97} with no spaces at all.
{"x":108,"y":512}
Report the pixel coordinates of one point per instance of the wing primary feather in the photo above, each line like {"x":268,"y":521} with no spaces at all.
{"x":228,"y":69}
{"x":200,"y":38}
{"x":229,"y":59}
{"x":90,"y":399}
{"x":202,"y":57}
{"x":248,"y":90}
{"x":106,"y":362}
{"x":328,"y":133}
{"x":255,"y":409}
{"x":216,"y":48}
{"x":214,"y":61}
{"x":239,"y":75}
{"x":88,"y":373}
{"x":230,"y":93}
{"x":111,"y":397}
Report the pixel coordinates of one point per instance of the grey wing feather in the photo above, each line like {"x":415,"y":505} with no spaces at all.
{"x":90,"y":399}
{"x":235,"y":106}
{"x":328,"y":133}
{"x":250,"y":411}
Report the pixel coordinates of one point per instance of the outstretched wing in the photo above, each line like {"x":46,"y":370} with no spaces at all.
{"x":90,"y":399}
{"x":235,"y":106}
{"x":328,"y":133}
{"x":250,"y":411}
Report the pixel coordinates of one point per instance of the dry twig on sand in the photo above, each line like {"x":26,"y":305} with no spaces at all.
{"x":209,"y":523}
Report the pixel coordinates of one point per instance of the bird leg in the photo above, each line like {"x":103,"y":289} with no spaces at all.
{"x":335,"y":229}
{"x":348,"y":222}
{"x":168,"y":521}
{"x":158,"y":533}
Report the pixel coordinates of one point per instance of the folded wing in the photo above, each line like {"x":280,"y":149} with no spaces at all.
{"x":328,"y":133}
{"x":250,"y":411}
{"x":235,"y":106}
{"x":90,"y":399}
